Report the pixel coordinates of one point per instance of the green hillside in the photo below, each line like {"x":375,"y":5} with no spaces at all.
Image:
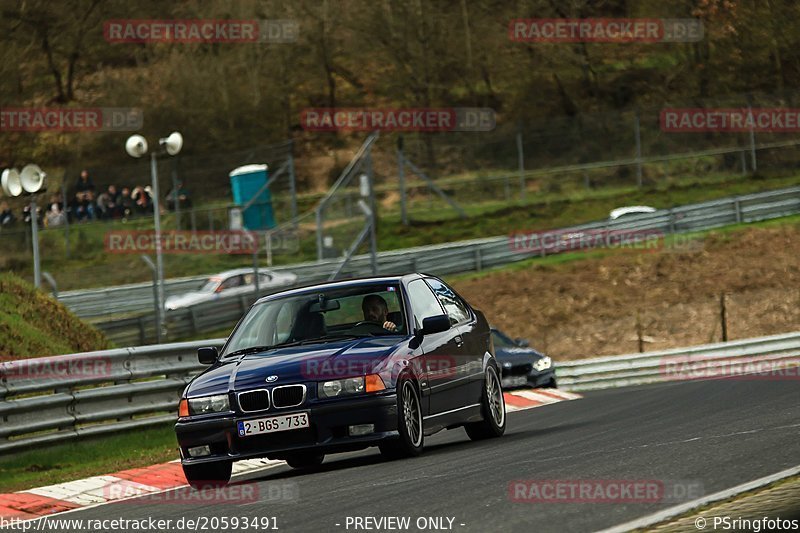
{"x":32,"y":324}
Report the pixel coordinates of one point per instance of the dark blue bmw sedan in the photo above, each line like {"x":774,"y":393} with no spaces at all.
{"x":338,"y":367}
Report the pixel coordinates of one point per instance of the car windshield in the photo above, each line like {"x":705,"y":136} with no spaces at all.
{"x":210,"y":285}
{"x":502,"y":340}
{"x":321,"y":316}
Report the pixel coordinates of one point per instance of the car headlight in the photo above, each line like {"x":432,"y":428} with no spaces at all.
{"x":209,"y":404}
{"x":340,"y":387}
{"x":543,"y":364}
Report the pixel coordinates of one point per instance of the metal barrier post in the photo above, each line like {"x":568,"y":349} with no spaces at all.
{"x":157,"y":307}
{"x":402,"y":175}
{"x":638,"y":137}
{"x":521,"y":164}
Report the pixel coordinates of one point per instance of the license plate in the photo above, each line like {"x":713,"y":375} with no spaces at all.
{"x":273,"y":424}
{"x":515,"y":381}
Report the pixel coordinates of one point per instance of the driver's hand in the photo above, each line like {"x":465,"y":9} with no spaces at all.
{"x":390,"y":326}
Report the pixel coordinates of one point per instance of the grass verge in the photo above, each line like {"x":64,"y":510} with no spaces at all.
{"x":90,"y":457}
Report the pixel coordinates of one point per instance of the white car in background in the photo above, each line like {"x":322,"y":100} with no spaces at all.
{"x":630,"y":210}
{"x":231,"y":283}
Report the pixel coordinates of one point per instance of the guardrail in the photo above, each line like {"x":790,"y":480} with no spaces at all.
{"x":53,"y":399}
{"x":442,"y":259}
{"x":706,"y":361}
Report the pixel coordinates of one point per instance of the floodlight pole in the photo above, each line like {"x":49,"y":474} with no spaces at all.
{"x":159,"y":254}
{"x":136,"y":146}
{"x":37,"y":275}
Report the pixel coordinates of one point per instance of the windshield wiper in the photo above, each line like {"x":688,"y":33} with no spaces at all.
{"x":255,"y":349}
{"x":331,"y":338}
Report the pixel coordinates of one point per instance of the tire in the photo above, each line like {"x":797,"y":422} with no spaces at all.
{"x":208,"y":474}
{"x":550,"y":384}
{"x":305,"y":460}
{"x":409,"y":423}
{"x":493,"y":408}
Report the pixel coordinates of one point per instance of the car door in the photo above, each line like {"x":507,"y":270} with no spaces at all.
{"x":437,"y":349}
{"x":470,"y":347}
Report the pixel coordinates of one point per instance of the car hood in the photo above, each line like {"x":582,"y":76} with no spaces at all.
{"x":517,"y":356}
{"x":296,"y":364}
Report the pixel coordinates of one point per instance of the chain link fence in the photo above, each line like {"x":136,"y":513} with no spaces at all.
{"x":414,"y":176}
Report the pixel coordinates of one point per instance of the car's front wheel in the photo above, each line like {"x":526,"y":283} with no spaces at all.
{"x":493,"y":408}
{"x":208,"y":474}
{"x":409,"y":423}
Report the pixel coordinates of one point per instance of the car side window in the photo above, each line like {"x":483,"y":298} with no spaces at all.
{"x":456,"y":309}
{"x":423,"y":302}
{"x":230,"y":283}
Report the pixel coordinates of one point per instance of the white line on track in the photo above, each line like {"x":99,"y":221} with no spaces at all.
{"x":672,"y":512}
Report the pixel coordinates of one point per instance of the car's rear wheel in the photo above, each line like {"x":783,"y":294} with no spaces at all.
{"x":493,"y":408}
{"x":305,"y":460}
{"x":208,"y":474}
{"x":409,"y":423}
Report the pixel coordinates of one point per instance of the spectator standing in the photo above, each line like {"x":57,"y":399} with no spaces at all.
{"x":84,"y":205}
{"x":55,"y":216}
{"x":142,"y":200}
{"x":84,"y":182}
{"x":84,"y":197}
{"x":181,"y":195}
{"x":107,"y":203}
{"x":103,"y":206}
{"x":126,"y":203}
{"x":7,"y":217}
{"x":113,"y":197}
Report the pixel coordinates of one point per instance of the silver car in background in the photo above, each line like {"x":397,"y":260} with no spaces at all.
{"x":231,"y":283}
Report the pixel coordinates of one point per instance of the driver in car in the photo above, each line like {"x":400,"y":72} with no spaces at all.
{"x":375,"y":310}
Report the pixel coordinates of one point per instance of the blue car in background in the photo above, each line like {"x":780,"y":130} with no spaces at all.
{"x":521,"y":365}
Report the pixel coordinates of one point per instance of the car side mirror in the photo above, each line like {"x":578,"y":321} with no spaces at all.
{"x":522,"y":342}
{"x":435,"y":324}
{"x":207,"y":355}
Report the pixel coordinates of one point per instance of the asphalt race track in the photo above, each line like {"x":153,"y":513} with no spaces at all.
{"x":715,"y":433}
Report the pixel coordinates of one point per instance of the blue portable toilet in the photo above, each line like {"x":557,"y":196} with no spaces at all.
{"x":249,"y":186}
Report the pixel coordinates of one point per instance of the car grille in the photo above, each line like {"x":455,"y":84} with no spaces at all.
{"x":288,"y":395}
{"x":255,"y":400}
{"x":520,"y":370}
